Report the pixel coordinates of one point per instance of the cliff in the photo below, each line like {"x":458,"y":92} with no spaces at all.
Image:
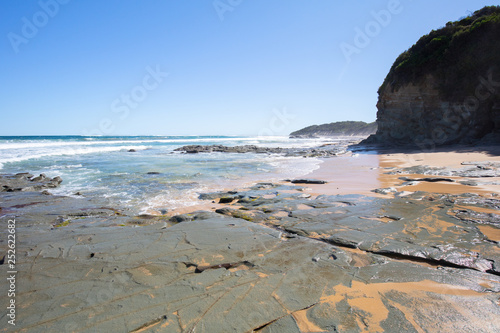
{"x":342,"y":128}
{"x":446,"y":88}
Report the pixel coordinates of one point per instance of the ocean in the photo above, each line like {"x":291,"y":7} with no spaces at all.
{"x":154,"y":177}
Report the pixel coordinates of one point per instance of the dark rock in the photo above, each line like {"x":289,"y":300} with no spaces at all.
{"x":255,"y":216}
{"x":132,"y":151}
{"x":57,"y":180}
{"x":153,"y":173}
{"x":308,"y":181}
{"x":192,"y":149}
{"x":427,"y":179}
{"x":26,"y":183}
{"x":217,"y":195}
{"x":24,"y":175}
{"x":326,"y":151}
{"x":224,"y":200}
{"x":54,"y":182}
{"x":194,"y":216}
{"x":40,"y":178}
{"x":225,"y":211}
{"x":181,"y":218}
{"x":262,"y":186}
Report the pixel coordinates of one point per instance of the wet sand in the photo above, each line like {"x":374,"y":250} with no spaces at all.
{"x":451,"y":158}
{"x":347,"y":174}
{"x":362,"y":173}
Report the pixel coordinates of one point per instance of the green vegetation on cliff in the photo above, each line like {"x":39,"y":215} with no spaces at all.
{"x":459,"y":52}
{"x":342,"y":128}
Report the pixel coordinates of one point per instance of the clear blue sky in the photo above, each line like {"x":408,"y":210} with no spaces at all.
{"x":80,"y":67}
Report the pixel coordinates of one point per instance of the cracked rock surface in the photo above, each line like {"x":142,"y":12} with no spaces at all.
{"x":274,"y":259}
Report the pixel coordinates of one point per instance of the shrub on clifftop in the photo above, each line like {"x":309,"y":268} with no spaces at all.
{"x":462,"y":49}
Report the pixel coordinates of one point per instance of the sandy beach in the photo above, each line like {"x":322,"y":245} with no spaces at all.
{"x":362,"y":173}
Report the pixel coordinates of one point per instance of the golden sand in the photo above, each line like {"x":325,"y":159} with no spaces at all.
{"x":362,"y":173}
{"x":491,"y":232}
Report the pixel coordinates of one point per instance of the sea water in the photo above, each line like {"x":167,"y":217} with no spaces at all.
{"x":152,"y":177}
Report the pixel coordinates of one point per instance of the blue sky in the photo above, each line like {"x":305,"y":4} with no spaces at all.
{"x":223,"y":67}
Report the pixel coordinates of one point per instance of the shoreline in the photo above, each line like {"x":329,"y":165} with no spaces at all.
{"x":311,"y":256}
{"x":363,"y":173}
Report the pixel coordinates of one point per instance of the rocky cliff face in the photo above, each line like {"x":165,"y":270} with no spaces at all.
{"x":446,"y":88}
{"x":419,"y":115}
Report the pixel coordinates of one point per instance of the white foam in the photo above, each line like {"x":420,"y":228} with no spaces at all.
{"x":172,"y":199}
{"x":24,"y":145}
{"x":62,"y":167}
{"x":293,"y":167}
{"x":259,"y":140}
{"x":230,"y":169}
{"x":20,"y":156}
{"x":37,"y":144}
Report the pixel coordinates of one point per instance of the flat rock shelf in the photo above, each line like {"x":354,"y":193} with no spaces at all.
{"x":272,"y":259}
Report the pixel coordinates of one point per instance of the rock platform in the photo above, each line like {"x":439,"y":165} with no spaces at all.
{"x":273,"y":259}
